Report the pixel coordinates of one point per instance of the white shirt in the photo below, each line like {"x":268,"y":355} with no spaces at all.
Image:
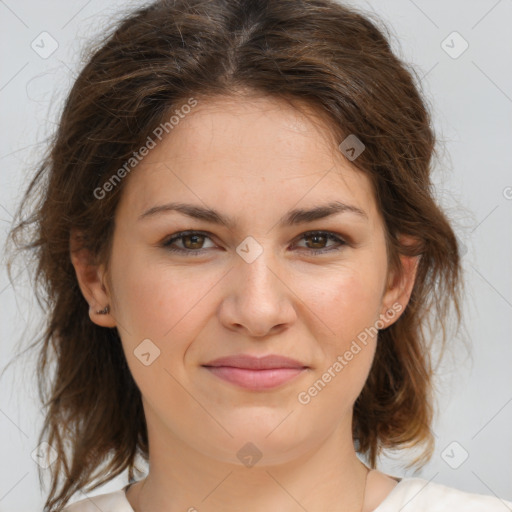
{"x":409,"y":495}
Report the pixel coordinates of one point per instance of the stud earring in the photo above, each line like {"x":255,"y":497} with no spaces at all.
{"x":104,"y":311}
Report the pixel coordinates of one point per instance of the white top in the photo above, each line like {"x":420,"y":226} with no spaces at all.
{"x":409,"y":495}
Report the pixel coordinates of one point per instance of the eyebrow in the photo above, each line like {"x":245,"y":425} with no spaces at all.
{"x":293,"y":217}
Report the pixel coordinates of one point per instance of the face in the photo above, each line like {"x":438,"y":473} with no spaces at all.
{"x":312,"y":290}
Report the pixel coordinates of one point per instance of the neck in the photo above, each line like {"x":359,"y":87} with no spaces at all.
{"x":328,"y":477}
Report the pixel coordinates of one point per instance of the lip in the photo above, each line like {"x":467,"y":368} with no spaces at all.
{"x":256,"y":373}
{"x":248,"y":362}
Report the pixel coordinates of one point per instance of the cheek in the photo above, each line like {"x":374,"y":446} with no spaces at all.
{"x":347,"y":305}
{"x":345,"y":301}
{"x":143,"y":290}
{"x":159,"y":301}
{"x":139,"y":295}
{"x":159,"y":313}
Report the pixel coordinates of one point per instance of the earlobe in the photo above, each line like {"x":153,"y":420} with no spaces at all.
{"x":102,"y":317}
{"x":90,"y":277}
{"x":399,"y":289}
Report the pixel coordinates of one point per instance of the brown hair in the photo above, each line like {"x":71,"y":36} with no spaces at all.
{"x":315,"y":51}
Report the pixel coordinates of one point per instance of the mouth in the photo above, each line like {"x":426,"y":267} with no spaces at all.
{"x":255,"y":379}
{"x":256,"y":373}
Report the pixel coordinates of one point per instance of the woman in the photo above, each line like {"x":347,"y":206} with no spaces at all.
{"x":242,"y":252}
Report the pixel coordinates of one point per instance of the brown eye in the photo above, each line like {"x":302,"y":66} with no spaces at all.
{"x":192,"y":242}
{"x":316,"y":242}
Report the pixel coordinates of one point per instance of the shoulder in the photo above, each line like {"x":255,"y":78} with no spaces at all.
{"x":108,"y":502}
{"x":420,"y":495}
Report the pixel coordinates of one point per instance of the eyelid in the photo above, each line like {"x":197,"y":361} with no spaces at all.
{"x":181,"y":234}
{"x":322,"y":232}
{"x":331,"y":235}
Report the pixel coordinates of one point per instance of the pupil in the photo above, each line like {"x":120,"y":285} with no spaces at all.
{"x":316,"y":237}
{"x":193,"y":237}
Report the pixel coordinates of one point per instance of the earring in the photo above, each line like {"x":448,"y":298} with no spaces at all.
{"x":104,"y":311}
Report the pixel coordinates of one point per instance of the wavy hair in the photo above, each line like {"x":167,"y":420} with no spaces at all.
{"x":319,"y":52}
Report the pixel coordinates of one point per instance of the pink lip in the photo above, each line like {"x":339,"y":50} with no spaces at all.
{"x":256,"y":373}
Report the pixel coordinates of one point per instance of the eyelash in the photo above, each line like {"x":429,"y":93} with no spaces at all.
{"x":198,"y":252}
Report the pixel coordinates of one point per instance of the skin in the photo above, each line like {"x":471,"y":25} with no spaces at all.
{"x":253,"y":159}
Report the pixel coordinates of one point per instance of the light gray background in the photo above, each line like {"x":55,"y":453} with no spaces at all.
{"x":471,"y":97}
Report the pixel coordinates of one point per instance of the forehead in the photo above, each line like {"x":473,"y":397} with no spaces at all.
{"x":261,"y":150}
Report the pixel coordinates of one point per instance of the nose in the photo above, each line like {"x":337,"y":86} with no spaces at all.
{"x":257,"y":297}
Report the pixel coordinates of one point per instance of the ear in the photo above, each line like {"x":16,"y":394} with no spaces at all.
{"x":91,"y":278}
{"x":399,"y":287}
